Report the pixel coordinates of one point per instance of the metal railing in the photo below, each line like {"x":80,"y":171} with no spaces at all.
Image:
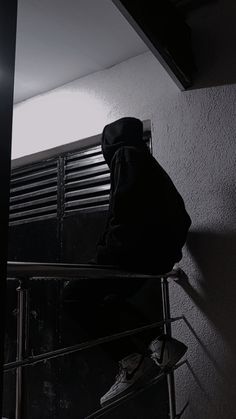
{"x":26,"y":271}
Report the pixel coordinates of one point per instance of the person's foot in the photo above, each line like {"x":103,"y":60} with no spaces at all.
{"x":166,"y":351}
{"x":135,"y":370}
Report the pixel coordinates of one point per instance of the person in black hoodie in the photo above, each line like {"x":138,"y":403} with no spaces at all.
{"x":146,"y":228}
{"x":147,"y":221}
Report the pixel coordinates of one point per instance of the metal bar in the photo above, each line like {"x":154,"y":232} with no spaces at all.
{"x":86,"y":191}
{"x":34,"y":185}
{"x":167,"y":330}
{"x":25,"y":168}
{"x":28,"y":220}
{"x":90,"y":208}
{"x":19,"y":352}
{"x":104,"y":410}
{"x":60,"y":204}
{"x":35,"y":175}
{"x":85,"y":152}
{"x":89,"y":181}
{"x":81,"y":173}
{"x":30,"y":195}
{"x":84,"y":201}
{"x":166,"y":303}
{"x":82,"y":346}
{"x":33,"y":202}
{"x":90,"y":161}
{"x":35,"y":211}
{"x":75,"y":271}
{"x":22,"y":342}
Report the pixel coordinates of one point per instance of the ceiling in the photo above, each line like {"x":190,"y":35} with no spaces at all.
{"x":62,"y":40}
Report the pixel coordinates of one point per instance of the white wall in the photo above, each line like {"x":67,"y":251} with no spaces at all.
{"x":194,"y":140}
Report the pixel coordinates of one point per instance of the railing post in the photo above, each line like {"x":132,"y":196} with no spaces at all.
{"x":167,"y":331}
{"x":22,"y":341}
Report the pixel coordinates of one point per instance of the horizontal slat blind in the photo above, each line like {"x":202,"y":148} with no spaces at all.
{"x":33,"y":192}
{"x":87,"y":180}
{"x":83,"y":178}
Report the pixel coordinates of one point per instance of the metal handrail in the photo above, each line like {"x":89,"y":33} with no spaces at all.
{"x":25,"y":271}
{"x":75,"y":271}
{"x":35,"y":359}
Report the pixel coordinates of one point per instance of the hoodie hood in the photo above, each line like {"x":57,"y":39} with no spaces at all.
{"x":121,"y":133}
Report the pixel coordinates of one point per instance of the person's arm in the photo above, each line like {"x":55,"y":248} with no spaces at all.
{"x":126,"y":173}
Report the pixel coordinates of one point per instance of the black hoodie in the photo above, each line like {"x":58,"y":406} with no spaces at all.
{"x":147,"y":223}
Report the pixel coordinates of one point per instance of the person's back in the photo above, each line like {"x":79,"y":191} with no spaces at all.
{"x":147,"y":222}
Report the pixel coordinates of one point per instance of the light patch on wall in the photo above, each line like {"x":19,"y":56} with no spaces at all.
{"x":61,"y":116}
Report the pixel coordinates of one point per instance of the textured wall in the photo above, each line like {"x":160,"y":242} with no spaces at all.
{"x":194,"y":140}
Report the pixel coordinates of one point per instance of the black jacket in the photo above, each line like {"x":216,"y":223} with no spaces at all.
{"x":147,"y":223}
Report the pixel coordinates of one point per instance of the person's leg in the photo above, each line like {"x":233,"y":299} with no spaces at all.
{"x":83,"y":302}
{"x":101,"y":308}
{"x":123,"y":317}
{"x":126,"y":316}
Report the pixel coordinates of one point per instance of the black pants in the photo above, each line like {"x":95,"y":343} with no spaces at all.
{"x":103,"y":307}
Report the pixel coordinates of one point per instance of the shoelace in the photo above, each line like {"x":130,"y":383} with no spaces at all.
{"x":120,"y":374}
{"x":118,"y":378}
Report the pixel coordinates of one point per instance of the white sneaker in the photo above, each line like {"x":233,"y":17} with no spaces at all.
{"x":166,"y":351}
{"x":135,"y":370}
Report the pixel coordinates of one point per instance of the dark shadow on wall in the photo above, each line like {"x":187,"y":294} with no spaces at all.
{"x":215,"y":295}
{"x":215,"y":256}
{"x":213,"y":38}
